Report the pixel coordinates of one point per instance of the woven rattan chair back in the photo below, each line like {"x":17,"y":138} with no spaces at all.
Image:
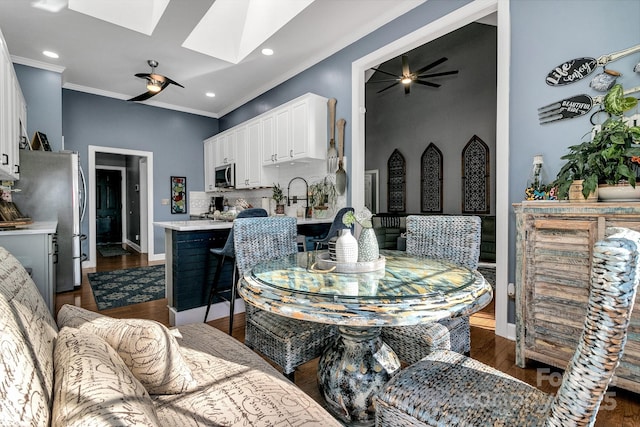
{"x":262,"y":239}
{"x":228,"y":248}
{"x":614,"y":280}
{"x":455,"y":238}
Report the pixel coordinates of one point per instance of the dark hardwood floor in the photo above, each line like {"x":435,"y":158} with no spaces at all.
{"x":622,"y":408}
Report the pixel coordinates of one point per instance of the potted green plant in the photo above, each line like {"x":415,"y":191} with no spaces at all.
{"x":322,"y":195}
{"x":610,"y":158}
{"x":278,"y":197}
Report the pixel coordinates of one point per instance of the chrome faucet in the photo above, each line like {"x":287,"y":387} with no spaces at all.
{"x":306,"y":192}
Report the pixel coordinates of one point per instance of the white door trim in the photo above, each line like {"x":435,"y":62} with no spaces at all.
{"x":93,"y":149}
{"x":456,"y":19}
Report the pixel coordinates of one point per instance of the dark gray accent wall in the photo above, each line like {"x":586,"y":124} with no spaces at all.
{"x":449,"y":116}
{"x":174,"y":138}
{"x":42,"y":92}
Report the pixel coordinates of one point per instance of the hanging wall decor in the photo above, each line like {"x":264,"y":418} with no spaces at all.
{"x":475,"y":177}
{"x":178,"y":194}
{"x":396,"y":184}
{"x":431,"y":179}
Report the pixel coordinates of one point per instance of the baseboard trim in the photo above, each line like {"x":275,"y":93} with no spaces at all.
{"x":196,"y":315}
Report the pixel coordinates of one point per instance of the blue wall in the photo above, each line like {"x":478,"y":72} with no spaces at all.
{"x":174,"y":138}
{"x":41,"y":90}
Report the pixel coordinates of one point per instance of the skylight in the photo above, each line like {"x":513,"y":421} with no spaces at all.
{"x":140,"y":15}
{"x":232,"y":29}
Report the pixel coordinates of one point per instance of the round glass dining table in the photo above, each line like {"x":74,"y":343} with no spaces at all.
{"x":407,"y":290}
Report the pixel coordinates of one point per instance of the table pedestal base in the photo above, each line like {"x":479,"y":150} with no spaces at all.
{"x":352,"y":370}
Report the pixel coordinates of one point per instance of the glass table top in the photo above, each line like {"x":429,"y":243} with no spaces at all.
{"x":403,"y":277}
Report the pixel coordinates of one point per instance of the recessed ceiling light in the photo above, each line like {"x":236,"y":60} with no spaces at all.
{"x":267,"y":52}
{"x":210,"y":94}
{"x":50,"y":54}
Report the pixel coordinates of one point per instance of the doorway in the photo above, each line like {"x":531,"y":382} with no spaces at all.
{"x":474,"y":11}
{"x":145,"y":190}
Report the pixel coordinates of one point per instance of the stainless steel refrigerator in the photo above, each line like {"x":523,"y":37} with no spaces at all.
{"x":52,"y":188}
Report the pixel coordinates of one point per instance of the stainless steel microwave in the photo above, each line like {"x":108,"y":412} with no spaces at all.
{"x":225,"y":176}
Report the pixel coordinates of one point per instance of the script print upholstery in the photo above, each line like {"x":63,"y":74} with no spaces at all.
{"x":94,"y":387}
{"x":233,"y":388}
{"x":25,"y":388}
{"x":147,"y":347}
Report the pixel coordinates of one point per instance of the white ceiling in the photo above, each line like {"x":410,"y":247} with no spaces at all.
{"x":101,"y":57}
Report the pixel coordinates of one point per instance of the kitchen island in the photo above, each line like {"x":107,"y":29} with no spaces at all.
{"x":189,"y":267}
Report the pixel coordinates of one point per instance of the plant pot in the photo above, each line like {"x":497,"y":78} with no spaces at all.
{"x":320,"y":211}
{"x":279,"y":209}
{"x":618,"y":193}
{"x":576,"y":196}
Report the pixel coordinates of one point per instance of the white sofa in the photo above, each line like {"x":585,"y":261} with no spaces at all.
{"x":89,"y":369}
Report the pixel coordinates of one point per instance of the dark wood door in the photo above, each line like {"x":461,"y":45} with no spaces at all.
{"x":108,"y":206}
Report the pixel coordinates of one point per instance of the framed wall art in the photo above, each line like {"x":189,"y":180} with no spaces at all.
{"x":178,"y":195}
{"x":396,"y":184}
{"x":475,"y":177}
{"x":431,"y":179}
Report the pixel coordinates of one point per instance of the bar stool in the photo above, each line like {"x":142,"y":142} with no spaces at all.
{"x":224,"y":253}
{"x":336,"y":225}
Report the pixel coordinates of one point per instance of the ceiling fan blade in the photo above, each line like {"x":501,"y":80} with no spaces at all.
{"x":422,"y":82}
{"x":173,"y":82}
{"x":407,"y":89}
{"x":385,"y":72}
{"x":405,"y":65}
{"x":143,"y":75}
{"x":143,"y":96}
{"x":444,"y":73}
{"x":430,"y":66}
{"x":388,"y":87}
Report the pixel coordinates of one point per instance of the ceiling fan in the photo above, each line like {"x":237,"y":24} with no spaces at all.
{"x":407,"y":77}
{"x":156,"y":83}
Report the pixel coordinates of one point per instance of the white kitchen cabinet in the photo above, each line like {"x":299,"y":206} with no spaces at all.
{"x":267,"y":123}
{"x":36,"y":249}
{"x":300,"y":131}
{"x":12,"y":116}
{"x":294,"y":132}
{"x":249,"y":170}
{"x":209,"y":164}
{"x":226,"y":148}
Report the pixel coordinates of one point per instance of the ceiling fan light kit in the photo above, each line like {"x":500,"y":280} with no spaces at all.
{"x":156,"y":83}
{"x":407,"y":77}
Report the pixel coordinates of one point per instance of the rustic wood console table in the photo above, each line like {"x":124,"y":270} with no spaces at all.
{"x":554,"y":244}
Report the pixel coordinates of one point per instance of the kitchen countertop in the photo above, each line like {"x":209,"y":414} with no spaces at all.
{"x":37,"y":227}
{"x":207,"y":224}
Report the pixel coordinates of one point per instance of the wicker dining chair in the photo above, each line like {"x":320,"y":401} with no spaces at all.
{"x":454,"y":238}
{"x":449,"y":389}
{"x":227,"y":253}
{"x":287,"y":342}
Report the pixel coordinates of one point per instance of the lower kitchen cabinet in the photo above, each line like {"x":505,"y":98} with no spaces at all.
{"x":37,"y":252}
{"x":554,"y":244}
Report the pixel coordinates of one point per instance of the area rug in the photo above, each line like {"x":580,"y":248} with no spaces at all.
{"x":125,"y":287}
{"x":112,"y":250}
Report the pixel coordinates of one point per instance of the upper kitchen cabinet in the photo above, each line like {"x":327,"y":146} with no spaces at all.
{"x":298,"y":129}
{"x":209,"y":164}
{"x":13,"y":116}
{"x":249,"y":170}
{"x":226,"y":148}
